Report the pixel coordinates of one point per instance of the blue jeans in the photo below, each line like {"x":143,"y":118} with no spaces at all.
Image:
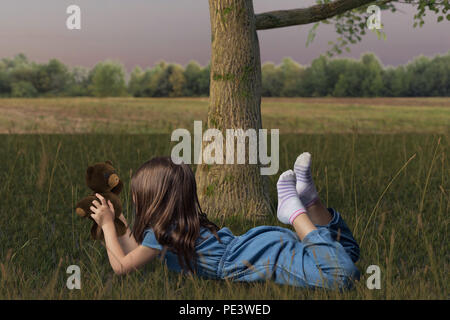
{"x":325,"y":258}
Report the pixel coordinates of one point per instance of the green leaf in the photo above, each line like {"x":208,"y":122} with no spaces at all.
{"x":312,"y":34}
{"x":440,"y":18}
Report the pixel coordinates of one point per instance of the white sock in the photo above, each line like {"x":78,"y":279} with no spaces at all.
{"x":289,"y":204}
{"x":305,"y":184}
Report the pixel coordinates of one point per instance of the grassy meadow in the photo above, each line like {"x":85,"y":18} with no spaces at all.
{"x":163,"y":115}
{"x":383,"y":163}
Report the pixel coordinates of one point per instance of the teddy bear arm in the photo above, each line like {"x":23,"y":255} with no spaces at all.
{"x":83,"y":206}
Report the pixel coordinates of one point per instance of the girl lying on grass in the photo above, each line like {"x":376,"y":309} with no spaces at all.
{"x":170,"y":223}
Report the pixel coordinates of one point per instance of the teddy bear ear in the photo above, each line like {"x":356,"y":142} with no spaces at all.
{"x":108,"y":162}
{"x":90,"y":171}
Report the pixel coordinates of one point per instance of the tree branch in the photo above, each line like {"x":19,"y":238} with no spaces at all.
{"x":286,"y":18}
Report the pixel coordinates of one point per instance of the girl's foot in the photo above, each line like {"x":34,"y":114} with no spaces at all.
{"x":289,"y":204}
{"x":305,"y":184}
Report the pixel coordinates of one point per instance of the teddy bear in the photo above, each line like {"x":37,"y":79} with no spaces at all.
{"x":102,"y":178}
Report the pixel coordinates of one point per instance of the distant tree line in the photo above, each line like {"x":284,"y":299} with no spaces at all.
{"x":343,"y":77}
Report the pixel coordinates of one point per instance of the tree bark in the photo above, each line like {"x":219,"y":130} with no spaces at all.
{"x":235,"y":103}
{"x":319,"y":12}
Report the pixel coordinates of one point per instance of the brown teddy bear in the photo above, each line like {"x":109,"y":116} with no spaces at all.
{"x":102,"y":178}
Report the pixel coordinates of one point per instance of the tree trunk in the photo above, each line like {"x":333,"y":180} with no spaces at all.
{"x":235,"y":103}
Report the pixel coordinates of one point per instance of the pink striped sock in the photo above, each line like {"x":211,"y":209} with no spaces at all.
{"x":289,"y":204}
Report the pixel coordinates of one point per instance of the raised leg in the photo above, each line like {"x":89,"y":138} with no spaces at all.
{"x":290,"y":208}
{"x":307,"y":192}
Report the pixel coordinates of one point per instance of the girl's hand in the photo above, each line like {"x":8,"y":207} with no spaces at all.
{"x":103,"y":212}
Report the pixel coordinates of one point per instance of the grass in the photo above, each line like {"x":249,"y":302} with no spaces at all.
{"x":392,"y":189}
{"x":163,"y":115}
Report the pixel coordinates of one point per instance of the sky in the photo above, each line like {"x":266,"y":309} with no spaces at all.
{"x":143,"y":32}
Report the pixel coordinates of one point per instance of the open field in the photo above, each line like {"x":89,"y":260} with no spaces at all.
{"x":404,"y":230}
{"x":392,"y":189}
{"x":163,"y":115}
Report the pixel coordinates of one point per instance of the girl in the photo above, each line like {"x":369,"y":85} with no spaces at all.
{"x":170,"y":223}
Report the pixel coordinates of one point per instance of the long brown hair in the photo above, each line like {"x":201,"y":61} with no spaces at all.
{"x":165,"y":198}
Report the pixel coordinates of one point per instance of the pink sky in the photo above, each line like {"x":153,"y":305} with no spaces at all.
{"x":142,"y":32}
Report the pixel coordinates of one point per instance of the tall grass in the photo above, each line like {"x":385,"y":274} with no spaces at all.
{"x":393,"y":191}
